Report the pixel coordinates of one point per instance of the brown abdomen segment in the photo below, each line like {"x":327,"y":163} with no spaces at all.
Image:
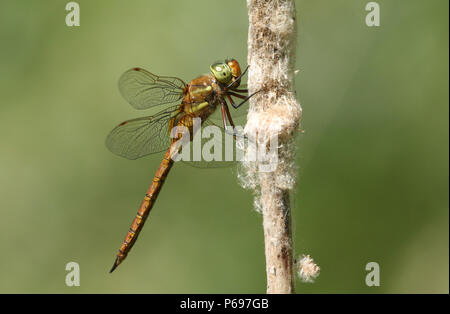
{"x":144,"y":209}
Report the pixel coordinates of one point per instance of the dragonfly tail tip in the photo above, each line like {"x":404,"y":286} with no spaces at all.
{"x":116,"y":263}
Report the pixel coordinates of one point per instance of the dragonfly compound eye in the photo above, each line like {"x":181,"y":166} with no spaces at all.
{"x":234,"y":66}
{"x":221,"y":72}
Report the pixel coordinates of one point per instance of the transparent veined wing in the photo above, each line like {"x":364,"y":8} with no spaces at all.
{"x":139,"y":137}
{"x":143,"y":89}
{"x":221,"y":140}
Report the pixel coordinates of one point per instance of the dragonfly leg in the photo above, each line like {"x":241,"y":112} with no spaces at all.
{"x":239,"y":90}
{"x":227,"y":116}
{"x":238,"y":78}
{"x":224,"y":118}
{"x":228,"y":111}
{"x":237,"y":95}
{"x":245,"y":99}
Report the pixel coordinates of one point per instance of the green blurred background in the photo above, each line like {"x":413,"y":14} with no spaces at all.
{"x":373,"y":177}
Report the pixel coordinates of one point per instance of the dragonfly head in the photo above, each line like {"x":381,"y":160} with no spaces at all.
{"x":226,"y":72}
{"x":235,"y":68}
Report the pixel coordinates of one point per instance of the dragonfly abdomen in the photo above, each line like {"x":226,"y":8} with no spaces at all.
{"x":145,"y":208}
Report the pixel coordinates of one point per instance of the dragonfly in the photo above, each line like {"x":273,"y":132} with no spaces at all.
{"x":140,"y":137}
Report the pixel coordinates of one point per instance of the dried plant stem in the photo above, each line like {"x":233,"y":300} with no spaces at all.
{"x":274,"y":112}
{"x":278,"y":241}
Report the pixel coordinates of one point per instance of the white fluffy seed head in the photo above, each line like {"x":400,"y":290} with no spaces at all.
{"x":307,"y":269}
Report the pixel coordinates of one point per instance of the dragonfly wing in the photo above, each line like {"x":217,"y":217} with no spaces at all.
{"x":139,"y":137}
{"x":143,"y":89}
{"x":215,"y":142}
